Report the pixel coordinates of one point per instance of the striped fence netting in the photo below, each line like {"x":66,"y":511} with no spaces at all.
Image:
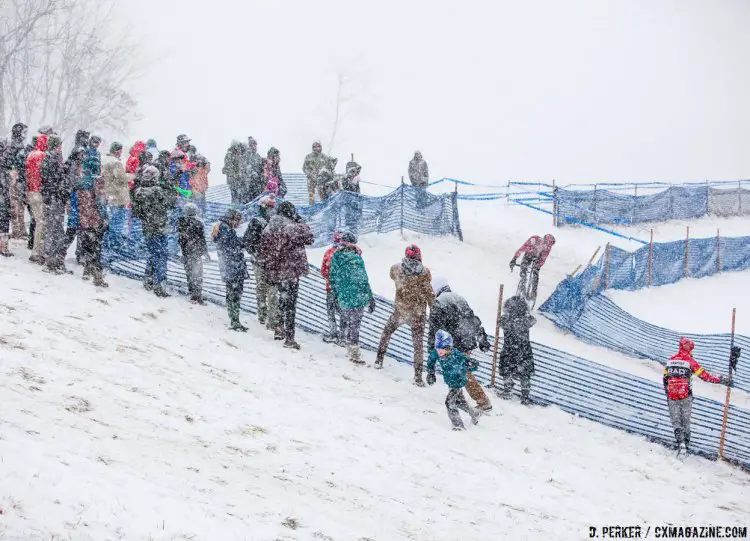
{"x":579,"y":306}
{"x":406,"y":208}
{"x":676,"y":202}
{"x":578,"y":386}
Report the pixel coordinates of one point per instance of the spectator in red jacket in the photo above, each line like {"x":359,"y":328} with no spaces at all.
{"x":34,"y":196}
{"x":677,"y":376}
{"x":535,"y":252}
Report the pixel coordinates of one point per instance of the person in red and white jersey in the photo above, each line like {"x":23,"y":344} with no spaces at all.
{"x":535,"y":252}
{"x":677,"y":384}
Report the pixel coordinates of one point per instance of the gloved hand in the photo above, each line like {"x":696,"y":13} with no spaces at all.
{"x":726,"y":380}
{"x":484,"y":344}
{"x":473,"y":365}
{"x":431,"y":379}
{"x":512,"y":264}
{"x":734,"y":356}
{"x":371,"y":307}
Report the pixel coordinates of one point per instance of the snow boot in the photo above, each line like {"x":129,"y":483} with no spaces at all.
{"x":459,"y":428}
{"x":39,"y":260}
{"x":355,"y":355}
{"x":237,"y":326}
{"x":86,"y":273}
{"x":329,"y":338}
{"x":418,"y":381}
{"x":378,"y":364}
{"x":278,"y":333}
{"x":160,"y":291}
{"x":148,"y":285}
{"x":98,"y":278}
{"x":289,"y":343}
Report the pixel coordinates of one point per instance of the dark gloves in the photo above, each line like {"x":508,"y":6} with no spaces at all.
{"x":512,"y":264}
{"x":473,"y":365}
{"x":431,"y":379}
{"x":725,"y":380}
{"x":371,"y":307}
{"x":484,"y":344}
{"x":734,"y":356}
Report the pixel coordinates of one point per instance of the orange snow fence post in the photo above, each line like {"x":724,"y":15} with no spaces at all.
{"x":497,"y":336}
{"x":729,"y":394}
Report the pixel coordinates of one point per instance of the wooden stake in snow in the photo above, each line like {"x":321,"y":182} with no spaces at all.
{"x":606,"y":267}
{"x":593,"y":256}
{"x":497,"y":336}
{"x":729,"y":392}
{"x":650,"y":258}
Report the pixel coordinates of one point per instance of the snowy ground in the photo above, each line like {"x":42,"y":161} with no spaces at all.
{"x":129,"y":417}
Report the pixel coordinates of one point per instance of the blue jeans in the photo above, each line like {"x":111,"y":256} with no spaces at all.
{"x":157,"y":257}
{"x":117,"y":218}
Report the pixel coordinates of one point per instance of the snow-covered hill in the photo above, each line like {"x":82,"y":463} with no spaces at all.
{"x":129,"y":417}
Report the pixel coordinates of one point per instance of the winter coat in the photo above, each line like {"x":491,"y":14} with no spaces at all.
{"x":314,"y":162}
{"x":678,"y":375}
{"x":16,"y":161}
{"x":254,"y":234}
{"x":282,"y":249}
{"x":451,"y":313}
{"x":413,"y":288}
{"x":255,"y":183}
{"x":350,"y":183}
{"x":152,"y":204}
{"x":92,"y":167}
{"x":115,"y":181}
{"x":5,"y":206}
{"x":516,"y":358}
{"x":454,"y":367}
{"x":232,"y":263}
{"x":192,"y":237}
{"x":55,"y":182}
{"x":132,"y":164}
{"x":272,"y":179}
{"x":348,"y":277}
{"x":92,"y":211}
{"x":235,"y":163}
{"x":418,"y":172}
{"x":536,"y":249}
{"x":325,"y":267}
{"x":182,"y":178}
{"x":154,"y":153}
{"x":34,"y":165}
{"x":199,"y":180}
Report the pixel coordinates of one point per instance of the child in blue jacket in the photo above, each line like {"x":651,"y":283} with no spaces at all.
{"x":454,"y":366}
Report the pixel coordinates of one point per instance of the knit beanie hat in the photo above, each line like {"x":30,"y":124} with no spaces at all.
{"x":443,"y":340}
{"x":413,"y":252}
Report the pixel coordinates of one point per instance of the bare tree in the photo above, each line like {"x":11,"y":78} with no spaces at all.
{"x":73,"y":70}
{"x":349,"y":88}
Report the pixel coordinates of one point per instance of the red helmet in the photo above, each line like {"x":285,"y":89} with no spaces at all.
{"x":413,"y":252}
{"x":549,"y":239}
{"x":686,"y":345}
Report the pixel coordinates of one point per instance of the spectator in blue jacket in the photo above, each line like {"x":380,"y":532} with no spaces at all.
{"x":454,"y":366}
{"x":232,"y":263}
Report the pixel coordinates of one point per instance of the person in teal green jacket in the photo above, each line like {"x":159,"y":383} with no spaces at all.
{"x":351,"y":286}
{"x":454,"y":366}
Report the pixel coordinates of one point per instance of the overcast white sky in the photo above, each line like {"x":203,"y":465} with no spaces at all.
{"x":580,"y":90}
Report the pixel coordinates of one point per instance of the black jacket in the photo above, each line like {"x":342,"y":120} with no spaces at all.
{"x":55,"y":181}
{"x":450,"y":312}
{"x":153,"y":203}
{"x":192,"y":237}
{"x":516,"y":358}
{"x":253,"y":235}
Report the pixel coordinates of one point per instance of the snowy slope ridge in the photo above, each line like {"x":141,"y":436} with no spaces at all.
{"x":131,"y":417}
{"x":588,"y":389}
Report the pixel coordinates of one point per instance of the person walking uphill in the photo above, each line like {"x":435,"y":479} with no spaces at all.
{"x":152,"y":204}
{"x":454,"y":365}
{"x":453,"y":314}
{"x":351,"y":287}
{"x":284,"y":260}
{"x":265,"y":292}
{"x":194,"y":250}
{"x":516,"y":358}
{"x":413,"y":295}
{"x":232,"y":264}
{"x":678,"y":387}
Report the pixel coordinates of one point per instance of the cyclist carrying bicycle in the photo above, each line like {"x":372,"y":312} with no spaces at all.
{"x":536,"y":250}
